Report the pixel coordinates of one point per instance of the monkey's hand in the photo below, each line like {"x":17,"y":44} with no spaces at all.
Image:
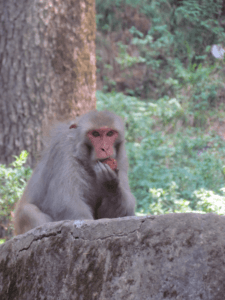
{"x":106,"y":177}
{"x":111,"y":162}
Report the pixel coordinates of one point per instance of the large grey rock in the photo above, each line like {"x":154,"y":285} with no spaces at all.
{"x":175,"y":256}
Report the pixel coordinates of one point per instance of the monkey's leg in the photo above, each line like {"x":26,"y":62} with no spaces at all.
{"x":29,"y":216}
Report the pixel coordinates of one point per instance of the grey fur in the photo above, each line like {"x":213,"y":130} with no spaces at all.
{"x":68,"y":183}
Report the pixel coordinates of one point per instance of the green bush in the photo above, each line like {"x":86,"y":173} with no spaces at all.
{"x":210,"y":201}
{"x":12,"y":183}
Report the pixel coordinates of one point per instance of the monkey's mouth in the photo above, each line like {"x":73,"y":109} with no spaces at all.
{"x":103,"y":159}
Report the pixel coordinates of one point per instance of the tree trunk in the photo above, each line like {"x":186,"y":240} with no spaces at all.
{"x":47,"y":69}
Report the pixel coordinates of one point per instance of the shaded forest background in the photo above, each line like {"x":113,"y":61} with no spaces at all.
{"x":156,"y":70}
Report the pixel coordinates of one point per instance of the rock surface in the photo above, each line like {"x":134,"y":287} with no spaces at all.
{"x":174,"y":256}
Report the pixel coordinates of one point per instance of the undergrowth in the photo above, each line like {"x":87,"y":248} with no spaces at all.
{"x":12,"y":183}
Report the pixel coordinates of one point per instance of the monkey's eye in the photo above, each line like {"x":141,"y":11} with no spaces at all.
{"x":110,"y":133}
{"x":95,"y":133}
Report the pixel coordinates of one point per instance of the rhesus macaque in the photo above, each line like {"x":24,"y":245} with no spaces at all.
{"x":82,"y":175}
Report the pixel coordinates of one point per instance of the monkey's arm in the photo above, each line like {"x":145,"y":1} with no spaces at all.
{"x":117,"y":200}
{"x":29,"y":216}
{"x":117,"y":205}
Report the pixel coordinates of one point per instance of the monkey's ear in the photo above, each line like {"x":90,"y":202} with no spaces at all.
{"x":73,"y":126}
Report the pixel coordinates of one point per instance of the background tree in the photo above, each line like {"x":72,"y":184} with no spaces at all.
{"x":47,"y":69}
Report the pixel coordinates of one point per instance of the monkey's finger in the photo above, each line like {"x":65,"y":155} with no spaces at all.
{"x":108,"y":172}
{"x":100,"y":171}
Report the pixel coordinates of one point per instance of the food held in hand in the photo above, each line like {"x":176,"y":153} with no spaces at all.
{"x":111,"y":162}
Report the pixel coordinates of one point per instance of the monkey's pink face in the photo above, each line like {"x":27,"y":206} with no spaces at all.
{"x":103,"y":140}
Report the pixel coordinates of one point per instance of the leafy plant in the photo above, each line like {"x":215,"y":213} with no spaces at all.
{"x":209,"y":201}
{"x":125,"y":60}
{"x":12,"y":182}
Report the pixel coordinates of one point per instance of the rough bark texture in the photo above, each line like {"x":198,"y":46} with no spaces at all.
{"x":176,"y":256}
{"x":47,"y":68}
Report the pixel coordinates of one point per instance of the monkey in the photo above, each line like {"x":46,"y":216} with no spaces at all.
{"x":82,"y":174}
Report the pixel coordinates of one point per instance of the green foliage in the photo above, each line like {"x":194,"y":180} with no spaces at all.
{"x":167,"y":201}
{"x":175,"y":50}
{"x":125,"y":60}
{"x":201,"y":83}
{"x":168,"y":170}
{"x":192,"y":21}
{"x":192,"y":75}
{"x":209,"y":201}
{"x":12,"y":182}
{"x":197,"y":22}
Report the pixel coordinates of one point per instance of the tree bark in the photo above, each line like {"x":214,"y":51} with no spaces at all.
{"x":47,"y":69}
